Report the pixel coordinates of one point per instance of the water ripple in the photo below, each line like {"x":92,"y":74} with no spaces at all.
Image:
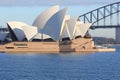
{"x":95,"y":66}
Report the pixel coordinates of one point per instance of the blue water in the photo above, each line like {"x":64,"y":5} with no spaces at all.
{"x":93,"y":66}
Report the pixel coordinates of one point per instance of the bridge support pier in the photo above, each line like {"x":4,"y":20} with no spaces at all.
{"x":117,"y":34}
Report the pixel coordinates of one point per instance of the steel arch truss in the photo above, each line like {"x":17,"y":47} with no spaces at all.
{"x":100,"y":14}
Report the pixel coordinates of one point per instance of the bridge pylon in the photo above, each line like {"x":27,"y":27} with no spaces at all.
{"x":117,"y":34}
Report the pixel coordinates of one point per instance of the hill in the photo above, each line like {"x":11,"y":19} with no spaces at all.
{"x":104,"y":40}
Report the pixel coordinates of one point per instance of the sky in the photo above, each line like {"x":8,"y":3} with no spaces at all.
{"x":53,"y":2}
{"x":27,"y":10}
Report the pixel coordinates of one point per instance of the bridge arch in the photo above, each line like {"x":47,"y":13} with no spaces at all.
{"x":95,"y":16}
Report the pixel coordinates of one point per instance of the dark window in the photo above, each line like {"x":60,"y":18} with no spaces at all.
{"x":20,"y":44}
{"x":9,"y":47}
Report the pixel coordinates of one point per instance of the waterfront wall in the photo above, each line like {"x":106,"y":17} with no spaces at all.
{"x":64,"y":46}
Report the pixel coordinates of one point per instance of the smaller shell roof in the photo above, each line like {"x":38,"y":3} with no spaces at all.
{"x":17,"y":29}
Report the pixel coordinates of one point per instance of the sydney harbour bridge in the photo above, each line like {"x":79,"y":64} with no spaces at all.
{"x":107,"y":16}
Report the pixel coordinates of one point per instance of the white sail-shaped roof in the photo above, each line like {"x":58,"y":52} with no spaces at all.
{"x":38,"y":36}
{"x":30,"y":31}
{"x":71,"y":26}
{"x":65,"y":32}
{"x":53,"y":26}
{"x":64,"y":29}
{"x":42,"y":19}
{"x":17,"y":29}
{"x":84,"y":28}
{"x":49,"y":24}
{"x":45,"y":36}
{"x":77,"y":32}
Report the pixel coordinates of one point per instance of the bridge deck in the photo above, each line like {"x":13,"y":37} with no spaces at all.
{"x":106,"y":26}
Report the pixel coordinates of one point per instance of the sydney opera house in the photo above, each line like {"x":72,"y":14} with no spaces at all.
{"x":52,"y":31}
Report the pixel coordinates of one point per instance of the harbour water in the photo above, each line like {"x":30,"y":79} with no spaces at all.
{"x":89,"y":66}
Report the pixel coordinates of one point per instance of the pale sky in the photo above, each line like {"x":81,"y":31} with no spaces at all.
{"x":53,"y":2}
{"x":27,"y":10}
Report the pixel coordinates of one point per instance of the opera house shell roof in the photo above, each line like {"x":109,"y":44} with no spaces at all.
{"x":52,"y":23}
